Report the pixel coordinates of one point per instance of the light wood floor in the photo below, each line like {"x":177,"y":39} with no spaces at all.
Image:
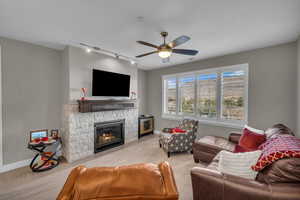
{"x":23,"y":184}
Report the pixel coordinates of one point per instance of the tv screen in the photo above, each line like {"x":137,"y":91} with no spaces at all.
{"x":110,"y":84}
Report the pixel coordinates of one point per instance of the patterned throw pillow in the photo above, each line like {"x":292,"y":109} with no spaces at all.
{"x":282,"y":146}
{"x":238,"y":164}
{"x":269,"y":159}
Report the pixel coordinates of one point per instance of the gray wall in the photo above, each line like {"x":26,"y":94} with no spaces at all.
{"x":272,"y":86}
{"x":298,"y":88}
{"x":65,"y":76}
{"x":142,"y":88}
{"x":80,"y":70}
{"x":31,"y":93}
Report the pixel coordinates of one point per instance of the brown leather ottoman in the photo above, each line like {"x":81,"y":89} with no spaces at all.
{"x":206,"y":148}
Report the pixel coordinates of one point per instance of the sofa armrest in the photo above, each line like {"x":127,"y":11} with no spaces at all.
{"x":67,"y":191}
{"x":207,"y":184}
{"x":169,"y":180}
{"x":234,"y":137}
{"x":213,"y":185}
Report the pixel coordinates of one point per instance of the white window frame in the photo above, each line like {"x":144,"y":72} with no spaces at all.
{"x":218,"y":121}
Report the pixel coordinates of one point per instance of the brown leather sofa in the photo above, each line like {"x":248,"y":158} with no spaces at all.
{"x":210,"y":184}
{"x":139,"y":181}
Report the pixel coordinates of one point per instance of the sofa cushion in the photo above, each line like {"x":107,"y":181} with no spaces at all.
{"x":213,"y":165}
{"x":282,"y":171}
{"x":283,"y":129}
{"x":219,"y":142}
{"x":238,"y":164}
{"x":251,"y":138}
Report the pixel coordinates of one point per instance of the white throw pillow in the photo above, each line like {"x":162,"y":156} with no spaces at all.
{"x":238,"y":164}
{"x":254,"y":130}
{"x":271,"y":132}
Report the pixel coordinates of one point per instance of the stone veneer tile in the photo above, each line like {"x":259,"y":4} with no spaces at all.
{"x":78,"y":129}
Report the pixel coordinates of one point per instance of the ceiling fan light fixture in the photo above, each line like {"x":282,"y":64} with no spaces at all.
{"x":165,"y":53}
{"x":166,"y":49}
{"x":88,"y":50}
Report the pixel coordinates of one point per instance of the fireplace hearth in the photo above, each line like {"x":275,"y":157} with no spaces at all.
{"x":108,"y":134}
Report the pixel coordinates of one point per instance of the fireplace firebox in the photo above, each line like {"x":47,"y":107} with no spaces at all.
{"x":108,"y":134}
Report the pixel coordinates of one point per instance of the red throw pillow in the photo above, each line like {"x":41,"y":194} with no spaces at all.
{"x":178,"y":130}
{"x":239,"y":149}
{"x":251,"y":140}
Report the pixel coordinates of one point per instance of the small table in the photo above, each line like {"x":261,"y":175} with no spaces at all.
{"x":146,"y":125}
{"x":43,"y":161}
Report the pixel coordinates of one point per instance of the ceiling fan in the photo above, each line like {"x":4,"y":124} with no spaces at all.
{"x":165,"y":50}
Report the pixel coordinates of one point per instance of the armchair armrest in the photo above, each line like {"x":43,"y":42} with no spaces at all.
{"x":234,"y":137}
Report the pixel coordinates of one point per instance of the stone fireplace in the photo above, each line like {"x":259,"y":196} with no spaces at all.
{"x":79,"y":129}
{"x":108,"y":134}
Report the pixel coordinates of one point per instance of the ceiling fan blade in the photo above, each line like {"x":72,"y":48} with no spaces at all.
{"x":165,"y":60}
{"x":189,"y":52}
{"x":178,"y":41}
{"x":146,"y":54}
{"x":147,"y":44}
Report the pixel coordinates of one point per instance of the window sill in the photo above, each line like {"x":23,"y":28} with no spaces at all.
{"x":207,"y":122}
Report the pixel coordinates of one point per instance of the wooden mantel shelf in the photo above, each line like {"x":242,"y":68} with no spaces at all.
{"x":105,"y":105}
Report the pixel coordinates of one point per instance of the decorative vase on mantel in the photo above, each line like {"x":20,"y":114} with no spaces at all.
{"x":84,"y":94}
{"x":133,"y":96}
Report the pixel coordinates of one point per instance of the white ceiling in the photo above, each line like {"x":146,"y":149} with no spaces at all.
{"x":216,"y":27}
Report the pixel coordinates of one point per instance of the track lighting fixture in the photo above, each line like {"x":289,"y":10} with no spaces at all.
{"x":89,"y":48}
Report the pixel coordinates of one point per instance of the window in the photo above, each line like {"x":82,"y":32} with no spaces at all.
{"x":187,"y":94}
{"x":207,"y":95}
{"x":214,"y":96}
{"x":171,"y":96}
{"x":233,"y":88}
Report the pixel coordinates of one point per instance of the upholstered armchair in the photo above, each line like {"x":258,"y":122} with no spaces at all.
{"x":179,"y":142}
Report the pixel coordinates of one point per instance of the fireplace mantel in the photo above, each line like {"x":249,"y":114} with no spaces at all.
{"x":105,"y":105}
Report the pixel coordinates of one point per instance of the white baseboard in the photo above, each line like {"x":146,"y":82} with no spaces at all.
{"x":15,"y":165}
{"x":130,"y":140}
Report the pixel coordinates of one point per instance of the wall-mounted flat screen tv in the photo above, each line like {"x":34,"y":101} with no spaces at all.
{"x":110,"y":84}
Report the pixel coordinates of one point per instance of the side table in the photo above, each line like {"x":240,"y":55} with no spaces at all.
{"x":145,"y":126}
{"x":44,"y":161}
